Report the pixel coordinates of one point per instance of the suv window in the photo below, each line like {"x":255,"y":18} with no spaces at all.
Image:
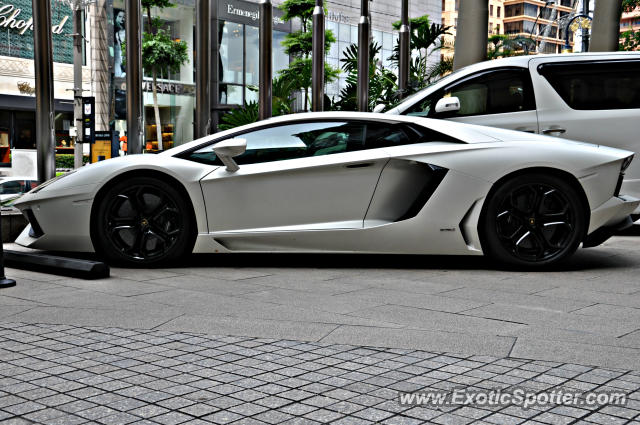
{"x":595,"y":85}
{"x":494,"y":92}
{"x":292,"y":141}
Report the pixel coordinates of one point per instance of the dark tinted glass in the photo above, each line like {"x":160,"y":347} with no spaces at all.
{"x":12,"y":187}
{"x":599,"y":85}
{"x":385,"y":135}
{"x":496,"y":92}
{"x":292,"y":141}
{"x":390,"y":135}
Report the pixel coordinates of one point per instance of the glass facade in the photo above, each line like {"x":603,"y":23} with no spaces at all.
{"x":176,"y":90}
{"x":347,"y":34}
{"x":239,"y":60}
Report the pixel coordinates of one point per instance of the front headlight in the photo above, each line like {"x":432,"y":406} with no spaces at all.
{"x":50,"y":181}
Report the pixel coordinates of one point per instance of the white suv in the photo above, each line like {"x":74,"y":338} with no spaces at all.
{"x":592,"y":97}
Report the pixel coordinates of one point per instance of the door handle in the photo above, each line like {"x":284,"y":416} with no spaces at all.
{"x":525,"y":129}
{"x":360,"y":165}
{"x":552,"y":130}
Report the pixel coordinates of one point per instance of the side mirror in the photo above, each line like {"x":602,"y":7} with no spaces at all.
{"x":448,"y":104}
{"x":379,"y":108}
{"x":227,"y":149}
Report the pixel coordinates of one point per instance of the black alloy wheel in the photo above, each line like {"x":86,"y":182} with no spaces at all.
{"x":533,"y":220}
{"x":143,"y":221}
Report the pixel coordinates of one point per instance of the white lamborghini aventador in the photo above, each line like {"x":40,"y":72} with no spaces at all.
{"x":340,"y":182}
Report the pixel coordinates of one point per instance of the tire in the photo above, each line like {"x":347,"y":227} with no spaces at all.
{"x":532,"y":221}
{"x":142,"y":221}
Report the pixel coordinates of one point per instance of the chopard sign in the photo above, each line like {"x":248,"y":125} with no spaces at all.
{"x":10,"y":18}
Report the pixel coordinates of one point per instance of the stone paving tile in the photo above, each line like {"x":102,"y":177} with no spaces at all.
{"x":63,"y":374}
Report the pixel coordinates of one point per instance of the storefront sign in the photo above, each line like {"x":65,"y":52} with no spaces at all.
{"x":168,"y":88}
{"x":337,"y":17}
{"x":10,"y":18}
{"x":249,"y":13}
{"x":16,"y":26}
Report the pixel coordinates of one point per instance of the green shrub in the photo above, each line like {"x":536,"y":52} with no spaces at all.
{"x":64,"y":160}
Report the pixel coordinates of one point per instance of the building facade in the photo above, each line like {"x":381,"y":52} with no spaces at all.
{"x":17,"y":79}
{"x":234,"y":65}
{"x":236,"y":43}
{"x":450,"y":19}
{"x":542,"y":21}
{"x":630,"y":21}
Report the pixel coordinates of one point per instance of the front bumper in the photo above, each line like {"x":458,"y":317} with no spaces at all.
{"x":57,"y":222}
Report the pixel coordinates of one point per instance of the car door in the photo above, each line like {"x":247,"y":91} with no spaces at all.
{"x":295,"y":177}
{"x":500,"y":97}
{"x":593,"y":99}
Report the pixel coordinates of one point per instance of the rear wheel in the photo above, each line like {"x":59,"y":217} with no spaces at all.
{"x":142,"y":221}
{"x":533,"y":220}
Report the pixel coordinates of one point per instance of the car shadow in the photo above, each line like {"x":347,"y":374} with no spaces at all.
{"x":582,"y":260}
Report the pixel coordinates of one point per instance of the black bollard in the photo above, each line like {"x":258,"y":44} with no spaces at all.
{"x":4,"y":282}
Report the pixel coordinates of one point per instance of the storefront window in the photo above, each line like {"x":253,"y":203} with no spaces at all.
{"x":25,"y":130}
{"x":5,"y":137}
{"x":252,"y":65}
{"x":62,"y":123}
{"x":175,"y":90}
{"x":240,"y":61}
{"x":231,"y":52}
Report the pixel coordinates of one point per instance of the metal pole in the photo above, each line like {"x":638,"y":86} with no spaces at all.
{"x":133,"y":28}
{"x":605,"y":31}
{"x":364,"y":26}
{"x":4,"y":282}
{"x":405,"y":49}
{"x":77,"y":82}
{"x":266,"y":68}
{"x":203,"y":69}
{"x":43,"y":64}
{"x":585,"y":31}
{"x":317,"y":74}
{"x":472,"y":35}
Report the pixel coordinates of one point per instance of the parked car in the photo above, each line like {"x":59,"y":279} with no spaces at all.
{"x":592,"y":97}
{"x":340,"y":182}
{"x":10,"y":187}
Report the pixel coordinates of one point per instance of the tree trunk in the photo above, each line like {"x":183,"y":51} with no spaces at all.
{"x":156,"y":109}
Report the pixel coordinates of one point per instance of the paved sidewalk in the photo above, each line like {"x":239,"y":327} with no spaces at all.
{"x":62,"y":374}
{"x":262,"y":338}
{"x":588,"y":312}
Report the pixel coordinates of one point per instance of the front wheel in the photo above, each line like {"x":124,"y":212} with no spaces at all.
{"x":142,"y":221}
{"x":533,"y":220}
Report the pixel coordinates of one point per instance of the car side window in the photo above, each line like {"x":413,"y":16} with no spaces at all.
{"x":292,"y":141}
{"x":12,"y":187}
{"x":595,"y":85}
{"x":387,"y":135}
{"x":380,"y":135}
{"x":495,"y":92}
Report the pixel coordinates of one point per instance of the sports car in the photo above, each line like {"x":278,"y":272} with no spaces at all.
{"x":342,"y":183}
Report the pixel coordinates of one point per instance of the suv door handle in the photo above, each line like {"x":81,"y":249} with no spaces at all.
{"x":525,"y":129}
{"x":552,"y":130}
